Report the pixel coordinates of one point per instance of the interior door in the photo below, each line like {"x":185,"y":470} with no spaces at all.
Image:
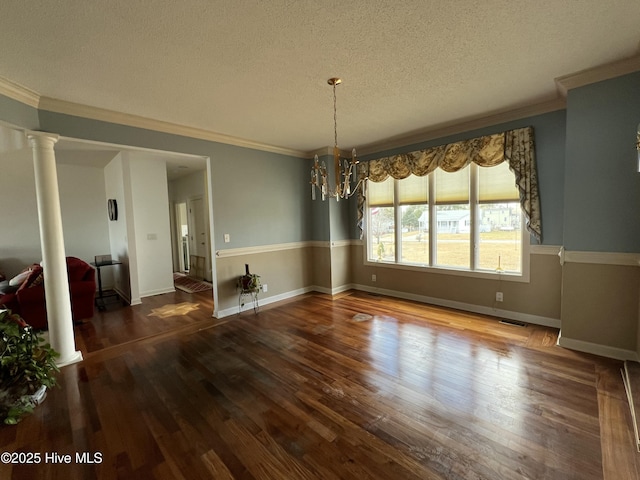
{"x":199,"y":242}
{"x":182,"y":234}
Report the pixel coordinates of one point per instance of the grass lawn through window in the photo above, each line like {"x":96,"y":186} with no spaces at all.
{"x":453,"y":249}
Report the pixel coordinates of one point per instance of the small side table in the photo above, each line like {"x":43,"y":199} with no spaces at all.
{"x":100,"y":303}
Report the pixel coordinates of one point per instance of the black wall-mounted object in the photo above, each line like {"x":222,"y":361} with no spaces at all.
{"x":112,"y":209}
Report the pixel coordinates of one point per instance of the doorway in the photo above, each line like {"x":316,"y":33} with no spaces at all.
{"x":190,"y":195}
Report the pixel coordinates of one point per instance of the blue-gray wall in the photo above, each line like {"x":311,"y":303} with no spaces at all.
{"x":18,"y":114}
{"x":259,"y":197}
{"x":602,"y":185}
{"x":589,"y":200}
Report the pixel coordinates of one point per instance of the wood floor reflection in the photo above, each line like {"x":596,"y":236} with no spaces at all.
{"x":308,"y":389}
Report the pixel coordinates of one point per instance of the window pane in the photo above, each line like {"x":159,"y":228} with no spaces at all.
{"x":380,"y":194}
{"x":452,"y":187}
{"x":500,"y":243}
{"x":453,"y":235}
{"x":415,"y":234}
{"x":497,"y":184}
{"x":398,"y":211}
{"x":381,"y":237}
{"x":413,"y":190}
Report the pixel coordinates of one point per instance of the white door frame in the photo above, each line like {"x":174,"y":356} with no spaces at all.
{"x":212,"y":260}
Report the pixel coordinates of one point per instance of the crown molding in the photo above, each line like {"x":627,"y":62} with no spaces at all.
{"x":563,"y":85}
{"x":32,"y":98}
{"x":328,"y":151}
{"x":465,"y":125}
{"x":597,"y":74}
{"x":19,"y":93}
{"x":324,"y":151}
{"x":111,"y":116}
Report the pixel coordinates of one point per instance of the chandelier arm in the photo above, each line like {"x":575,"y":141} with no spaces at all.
{"x":355,"y":190}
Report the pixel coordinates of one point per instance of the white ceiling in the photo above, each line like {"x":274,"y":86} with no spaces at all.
{"x":257,"y":70}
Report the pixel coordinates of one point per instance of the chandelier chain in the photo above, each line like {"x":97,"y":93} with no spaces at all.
{"x":335,"y":117}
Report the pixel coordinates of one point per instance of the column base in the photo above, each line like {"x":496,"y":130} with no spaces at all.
{"x":69,"y":360}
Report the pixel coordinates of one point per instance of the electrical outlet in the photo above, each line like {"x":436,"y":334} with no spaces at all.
{"x":264,"y":287}
{"x":227,"y":238}
{"x":373,"y":278}
{"x":499,"y":297}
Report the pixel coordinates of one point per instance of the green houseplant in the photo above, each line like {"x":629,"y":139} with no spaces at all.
{"x":249,"y":283}
{"x":27,"y":367}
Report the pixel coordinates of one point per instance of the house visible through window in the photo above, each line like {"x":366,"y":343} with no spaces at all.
{"x":469,"y":219}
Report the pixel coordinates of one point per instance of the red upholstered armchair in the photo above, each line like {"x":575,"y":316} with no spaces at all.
{"x":29,"y":300}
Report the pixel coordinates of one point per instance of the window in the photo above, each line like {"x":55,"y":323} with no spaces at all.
{"x":453,"y":217}
{"x":469,"y":219}
{"x":382,"y":221}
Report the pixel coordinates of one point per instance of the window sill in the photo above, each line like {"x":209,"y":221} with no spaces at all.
{"x":482,"y":274}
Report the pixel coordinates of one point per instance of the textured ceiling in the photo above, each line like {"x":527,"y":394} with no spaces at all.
{"x":257,"y":70}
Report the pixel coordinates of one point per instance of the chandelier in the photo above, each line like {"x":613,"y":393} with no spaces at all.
{"x":344,"y":170}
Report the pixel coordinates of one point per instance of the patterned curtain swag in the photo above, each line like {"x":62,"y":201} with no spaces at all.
{"x":513,"y":146}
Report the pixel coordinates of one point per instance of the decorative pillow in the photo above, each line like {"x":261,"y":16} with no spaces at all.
{"x":35,"y":275}
{"x":18,"y":279}
{"x":39,"y":280}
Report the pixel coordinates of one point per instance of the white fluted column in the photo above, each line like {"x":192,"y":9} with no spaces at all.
{"x":54,"y":264}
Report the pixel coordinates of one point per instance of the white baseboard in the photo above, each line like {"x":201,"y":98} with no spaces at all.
{"x":522,"y":317}
{"x":127,"y":298}
{"x":159,"y":291}
{"x":572,"y":344}
{"x":150,"y":293}
{"x":467,"y":307}
{"x":262,"y":301}
{"x":333,"y":291}
{"x":596,"y":349}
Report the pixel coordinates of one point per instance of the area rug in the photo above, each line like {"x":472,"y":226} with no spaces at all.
{"x":190,"y":285}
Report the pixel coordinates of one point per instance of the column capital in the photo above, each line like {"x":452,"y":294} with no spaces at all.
{"x":42,"y":138}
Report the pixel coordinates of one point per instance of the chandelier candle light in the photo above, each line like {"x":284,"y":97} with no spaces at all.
{"x":344,"y":169}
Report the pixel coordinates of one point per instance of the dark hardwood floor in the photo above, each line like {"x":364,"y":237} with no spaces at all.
{"x":304,"y":391}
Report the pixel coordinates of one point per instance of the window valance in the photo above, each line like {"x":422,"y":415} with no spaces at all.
{"x":513,"y":146}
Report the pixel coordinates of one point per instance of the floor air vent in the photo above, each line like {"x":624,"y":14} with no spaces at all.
{"x":514,"y":323}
